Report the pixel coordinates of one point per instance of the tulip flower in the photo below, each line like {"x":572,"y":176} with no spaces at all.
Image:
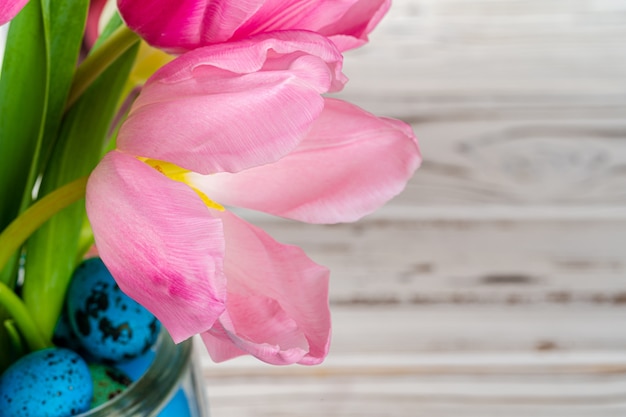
{"x":9,"y":9}
{"x":242,"y":123}
{"x":183,"y":25}
{"x":202,"y":270}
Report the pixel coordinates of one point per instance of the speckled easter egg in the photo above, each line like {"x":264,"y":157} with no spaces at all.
{"x":52,"y":382}
{"x":108,"y":383}
{"x":111,"y":326}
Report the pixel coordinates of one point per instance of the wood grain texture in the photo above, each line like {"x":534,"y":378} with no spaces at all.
{"x":495,"y":285}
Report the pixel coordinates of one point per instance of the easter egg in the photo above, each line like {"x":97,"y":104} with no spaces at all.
{"x":111,"y":326}
{"x":52,"y":382}
{"x":108,"y":383}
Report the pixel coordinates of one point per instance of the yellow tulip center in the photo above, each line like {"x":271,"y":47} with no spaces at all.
{"x":179,"y":174}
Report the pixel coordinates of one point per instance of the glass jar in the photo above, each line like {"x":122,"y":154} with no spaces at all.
{"x":171,"y":386}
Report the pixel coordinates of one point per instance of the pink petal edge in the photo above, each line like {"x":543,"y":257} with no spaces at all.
{"x":277,"y":306}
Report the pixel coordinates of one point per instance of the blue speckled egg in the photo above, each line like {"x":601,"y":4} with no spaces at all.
{"x":111,"y":326}
{"x":53,"y":382}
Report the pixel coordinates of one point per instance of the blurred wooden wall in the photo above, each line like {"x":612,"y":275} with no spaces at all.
{"x":495,"y":285}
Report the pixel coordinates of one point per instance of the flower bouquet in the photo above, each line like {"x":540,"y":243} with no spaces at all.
{"x":127,"y":132}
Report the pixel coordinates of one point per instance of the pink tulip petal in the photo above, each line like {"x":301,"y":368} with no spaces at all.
{"x":350,"y":164}
{"x":9,"y":9}
{"x":232,"y":106}
{"x":351,"y":31}
{"x":160,"y":242}
{"x":277,"y":305}
{"x":346,"y":22}
{"x":92,"y":30}
{"x":183,"y":25}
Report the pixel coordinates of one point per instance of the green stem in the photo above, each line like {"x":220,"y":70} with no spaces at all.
{"x":18,"y":311}
{"x":119,"y":42}
{"x":15,"y":337}
{"x":16,"y":233}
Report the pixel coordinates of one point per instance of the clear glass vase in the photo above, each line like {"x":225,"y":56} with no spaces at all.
{"x":171,"y":386}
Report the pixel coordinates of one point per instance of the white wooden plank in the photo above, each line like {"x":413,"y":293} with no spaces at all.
{"x":543,"y":384}
{"x":476,"y":328}
{"x":521,"y":162}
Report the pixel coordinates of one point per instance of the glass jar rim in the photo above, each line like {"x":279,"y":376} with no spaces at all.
{"x":148,"y":394}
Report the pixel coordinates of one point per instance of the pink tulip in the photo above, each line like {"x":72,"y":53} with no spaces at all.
{"x":244,"y":124}
{"x":9,"y":9}
{"x":202,"y":270}
{"x":182,"y":25}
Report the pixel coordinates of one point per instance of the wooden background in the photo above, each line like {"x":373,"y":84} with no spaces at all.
{"x":495,"y":285}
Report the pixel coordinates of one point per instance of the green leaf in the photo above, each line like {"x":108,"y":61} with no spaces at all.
{"x":51,"y":251}
{"x":23,"y":88}
{"x":42,"y":51}
{"x":64,"y":23}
